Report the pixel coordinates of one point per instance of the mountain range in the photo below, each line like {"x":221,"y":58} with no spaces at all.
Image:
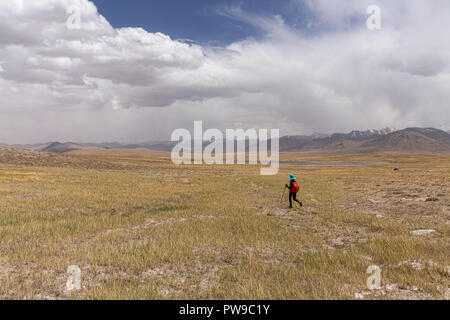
{"x":410,"y":140}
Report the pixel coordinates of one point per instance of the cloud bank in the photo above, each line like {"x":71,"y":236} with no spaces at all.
{"x":98,"y":83}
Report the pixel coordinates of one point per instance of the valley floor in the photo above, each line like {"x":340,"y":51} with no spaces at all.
{"x":140,"y":227}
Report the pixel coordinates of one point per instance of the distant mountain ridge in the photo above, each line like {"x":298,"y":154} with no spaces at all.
{"x":427,"y":140}
{"x":410,"y":140}
{"x":362,"y":135}
{"x":333,"y":141}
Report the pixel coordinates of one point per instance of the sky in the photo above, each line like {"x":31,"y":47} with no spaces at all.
{"x":196,"y":20}
{"x":134,"y":71}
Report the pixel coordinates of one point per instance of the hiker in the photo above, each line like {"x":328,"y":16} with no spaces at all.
{"x":294,"y":188}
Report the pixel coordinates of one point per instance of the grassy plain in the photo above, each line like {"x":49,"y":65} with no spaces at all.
{"x":140,"y":227}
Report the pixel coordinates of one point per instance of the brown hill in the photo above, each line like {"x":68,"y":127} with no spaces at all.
{"x":17,"y":157}
{"x":62,"y":147}
{"x":411,"y":140}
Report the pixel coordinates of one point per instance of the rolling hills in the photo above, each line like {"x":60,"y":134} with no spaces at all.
{"x":410,"y":140}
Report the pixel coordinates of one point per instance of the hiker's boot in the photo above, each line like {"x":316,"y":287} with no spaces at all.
{"x":301,"y":204}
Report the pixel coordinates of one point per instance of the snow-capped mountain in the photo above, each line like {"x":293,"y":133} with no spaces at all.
{"x":357,"y":135}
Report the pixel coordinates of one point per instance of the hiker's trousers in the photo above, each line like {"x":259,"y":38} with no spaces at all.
{"x":292,"y":195}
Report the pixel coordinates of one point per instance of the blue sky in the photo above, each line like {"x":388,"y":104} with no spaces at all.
{"x":199,"y":20}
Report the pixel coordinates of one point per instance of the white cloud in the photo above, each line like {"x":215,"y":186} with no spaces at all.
{"x":101,"y":83}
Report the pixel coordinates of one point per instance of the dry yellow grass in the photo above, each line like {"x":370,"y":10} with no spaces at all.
{"x":141,"y":228}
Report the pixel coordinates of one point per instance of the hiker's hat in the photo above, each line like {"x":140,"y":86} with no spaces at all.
{"x":292,"y":177}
